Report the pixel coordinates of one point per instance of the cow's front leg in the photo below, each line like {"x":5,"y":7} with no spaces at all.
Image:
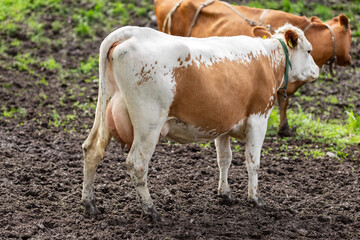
{"x":224,"y":157}
{"x":256,"y":130}
{"x":284,"y":129}
{"x":94,"y":150}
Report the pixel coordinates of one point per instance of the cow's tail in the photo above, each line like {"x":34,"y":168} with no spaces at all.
{"x":115,"y":37}
{"x":102,"y":98}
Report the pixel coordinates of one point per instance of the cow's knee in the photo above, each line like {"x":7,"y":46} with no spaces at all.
{"x":92,"y":155}
{"x":95,"y":148}
{"x":85,"y":147}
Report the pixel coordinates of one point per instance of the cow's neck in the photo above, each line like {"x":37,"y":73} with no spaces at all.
{"x":277,"y":19}
{"x":299,"y":21}
{"x":278,"y":62}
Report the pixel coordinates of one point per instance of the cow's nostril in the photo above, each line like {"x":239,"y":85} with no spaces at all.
{"x":315,"y":73}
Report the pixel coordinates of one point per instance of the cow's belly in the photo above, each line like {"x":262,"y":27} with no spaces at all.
{"x":181,"y":132}
{"x":239,"y":130}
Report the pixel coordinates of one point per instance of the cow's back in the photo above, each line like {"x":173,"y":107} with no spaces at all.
{"x":214,"y":17}
{"x":217,"y":19}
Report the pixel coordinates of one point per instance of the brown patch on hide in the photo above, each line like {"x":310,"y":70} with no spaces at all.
{"x":218,"y":96}
{"x":145,"y":74}
{"x":188,"y":57}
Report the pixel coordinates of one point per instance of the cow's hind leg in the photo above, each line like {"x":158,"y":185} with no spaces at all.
{"x":94,"y":150}
{"x":146,"y":136}
{"x":255,"y":134}
{"x":224,"y":157}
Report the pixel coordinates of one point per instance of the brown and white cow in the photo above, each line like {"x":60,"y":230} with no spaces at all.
{"x":188,"y":90}
{"x":218,"y":19}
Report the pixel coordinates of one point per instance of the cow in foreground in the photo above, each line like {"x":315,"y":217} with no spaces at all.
{"x":331,"y":40}
{"x":188,"y":89}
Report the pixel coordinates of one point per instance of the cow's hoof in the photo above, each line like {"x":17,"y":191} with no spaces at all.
{"x":257,"y":202}
{"x":90,"y":208}
{"x":285,"y":131}
{"x":153,"y":214}
{"x":227,"y":199}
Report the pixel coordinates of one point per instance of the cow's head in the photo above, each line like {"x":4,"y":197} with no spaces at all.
{"x":303,"y":65}
{"x":342,"y":31}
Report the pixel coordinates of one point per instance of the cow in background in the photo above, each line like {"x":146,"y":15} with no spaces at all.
{"x":331,"y":40}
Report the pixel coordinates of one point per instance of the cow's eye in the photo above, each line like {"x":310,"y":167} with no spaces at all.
{"x":309,"y":51}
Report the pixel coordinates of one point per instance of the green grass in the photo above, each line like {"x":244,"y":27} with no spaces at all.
{"x":317,"y":153}
{"x":331,"y":99}
{"x":313,"y":153}
{"x":51,"y":64}
{"x":120,"y":10}
{"x":56,"y":26}
{"x":3,"y":47}
{"x":86,"y":108}
{"x":14,"y":13}
{"x":256,"y":4}
{"x":308,"y":126}
{"x":27,"y":16}
{"x":357,"y":31}
{"x":13,"y":112}
{"x":287,"y":6}
{"x":15,"y":43}
{"x":353,"y":123}
{"x":54,"y":118}
{"x":43,"y":96}
{"x":205,"y":145}
{"x":25,"y":62}
{"x":83,"y":29}
{"x":90,"y":65}
{"x":323,"y":11}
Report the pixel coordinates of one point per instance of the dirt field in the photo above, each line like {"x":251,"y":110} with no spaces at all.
{"x":41,"y":172}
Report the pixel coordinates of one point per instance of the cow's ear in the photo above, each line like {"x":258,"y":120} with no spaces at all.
{"x":315,"y":19}
{"x":291,"y":38}
{"x":262,"y":32}
{"x":344,"y":21}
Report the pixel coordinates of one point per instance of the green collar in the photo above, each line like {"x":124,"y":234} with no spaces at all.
{"x":287,"y":65}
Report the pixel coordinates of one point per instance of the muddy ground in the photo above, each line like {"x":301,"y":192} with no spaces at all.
{"x":41,"y":173}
